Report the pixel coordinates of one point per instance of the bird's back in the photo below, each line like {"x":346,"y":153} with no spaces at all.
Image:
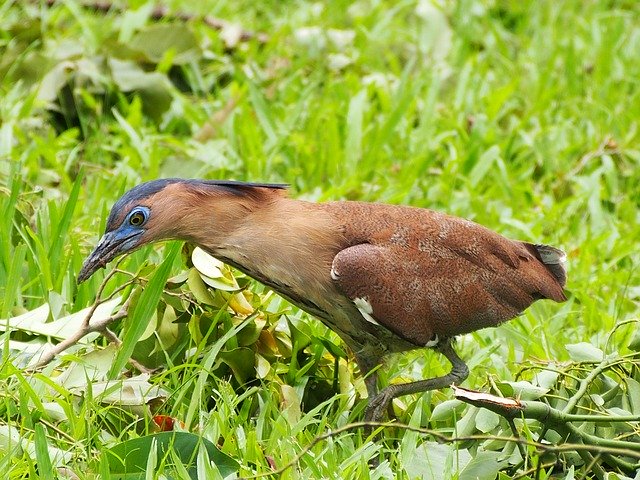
{"x":427,"y":273}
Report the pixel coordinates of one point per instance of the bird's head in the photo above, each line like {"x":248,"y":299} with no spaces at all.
{"x":171,"y":208}
{"x":129,"y":226}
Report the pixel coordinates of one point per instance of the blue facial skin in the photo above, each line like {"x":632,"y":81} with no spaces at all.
{"x":127,"y":235}
{"x":116,"y":242}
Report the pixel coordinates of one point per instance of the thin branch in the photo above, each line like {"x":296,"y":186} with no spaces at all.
{"x":543,"y":412}
{"x":440,"y":437}
{"x":605,"y":442}
{"x":87,"y":326}
{"x":592,"y":465}
{"x":584,"y":385}
{"x":607,"y":147}
{"x":514,"y":430}
{"x":112,"y":337}
{"x":84,"y":330}
{"x":59,"y":431}
{"x":570,"y":417}
{"x":559,"y":421}
{"x":527,"y":473}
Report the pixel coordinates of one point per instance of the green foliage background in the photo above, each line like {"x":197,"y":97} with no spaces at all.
{"x":522,"y":116}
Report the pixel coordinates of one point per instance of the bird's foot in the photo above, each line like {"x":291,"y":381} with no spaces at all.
{"x":378,"y":405}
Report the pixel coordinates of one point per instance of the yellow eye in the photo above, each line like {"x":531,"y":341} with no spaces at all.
{"x":137,"y":219}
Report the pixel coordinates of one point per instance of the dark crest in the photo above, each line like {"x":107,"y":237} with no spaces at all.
{"x":147,"y":189}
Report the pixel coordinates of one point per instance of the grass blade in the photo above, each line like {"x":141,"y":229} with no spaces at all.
{"x":45,"y":469}
{"x":143,"y":311}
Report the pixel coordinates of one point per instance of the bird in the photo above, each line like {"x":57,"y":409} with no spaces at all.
{"x":386,"y":278}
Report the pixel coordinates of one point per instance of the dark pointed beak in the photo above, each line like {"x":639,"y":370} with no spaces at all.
{"x":109,"y":247}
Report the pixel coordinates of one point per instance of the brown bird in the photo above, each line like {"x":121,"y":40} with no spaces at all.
{"x":385,"y":278}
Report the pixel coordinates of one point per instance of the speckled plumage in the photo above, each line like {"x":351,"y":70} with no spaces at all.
{"x":386,"y":278}
{"x":426,"y":273}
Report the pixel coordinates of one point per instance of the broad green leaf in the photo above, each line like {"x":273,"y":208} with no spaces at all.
{"x":35,"y":322}
{"x":546,"y":378}
{"x":299,"y":339}
{"x":56,"y":412}
{"x":435,"y":461}
{"x":633,"y":393}
{"x":584,"y":352}
{"x":263,"y":367}
{"x":242,"y":362}
{"x":175,"y":39}
{"x":239,"y":303}
{"x":129,"y":459}
{"x":221,"y":283}
{"x":90,"y":367}
{"x":133,"y":19}
{"x":30,"y":322}
{"x":206,"y":264}
{"x":154,"y":88}
{"x":467,"y":424}
{"x":152,"y":325}
{"x":168,"y":328}
{"x":634,"y":343}
{"x":134,"y":391}
{"x":483,"y":466}
{"x":250,"y":334}
{"x":486,"y":420}
{"x":178,"y":280}
{"x":54,"y":80}
{"x":24,"y":354}
{"x":291,"y":404}
{"x":198,"y":288}
{"x":522,"y":390}
{"x":331,"y":347}
{"x":447,"y":410}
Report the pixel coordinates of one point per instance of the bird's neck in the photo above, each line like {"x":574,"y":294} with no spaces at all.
{"x":287,"y":244}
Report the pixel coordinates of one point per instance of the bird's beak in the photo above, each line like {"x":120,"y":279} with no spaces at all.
{"x":109,"y":247}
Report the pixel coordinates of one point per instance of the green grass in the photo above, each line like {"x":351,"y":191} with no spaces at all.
{"x":522,"y":116}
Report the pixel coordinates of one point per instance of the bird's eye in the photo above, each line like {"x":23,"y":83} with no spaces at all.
{"x":137,"y":218}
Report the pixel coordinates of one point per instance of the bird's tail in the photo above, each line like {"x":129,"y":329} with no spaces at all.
{"x":555,"y":260}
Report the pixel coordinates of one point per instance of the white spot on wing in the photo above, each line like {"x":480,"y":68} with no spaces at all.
{"x":365,"y":309}
{"x":433,"y":342}
{"x":333,"y":273}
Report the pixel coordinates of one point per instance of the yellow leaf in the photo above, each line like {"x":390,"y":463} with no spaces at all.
{"x":239,"y":304}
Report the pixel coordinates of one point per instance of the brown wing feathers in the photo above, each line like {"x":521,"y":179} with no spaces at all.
{"x":432,"y":274}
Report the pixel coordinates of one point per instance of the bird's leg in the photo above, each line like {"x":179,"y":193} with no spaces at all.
{"x":367,"y":370}
{"x":380,"y":403}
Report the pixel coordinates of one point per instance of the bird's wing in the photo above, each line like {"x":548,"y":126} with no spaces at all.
{"x":439,"y":289}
